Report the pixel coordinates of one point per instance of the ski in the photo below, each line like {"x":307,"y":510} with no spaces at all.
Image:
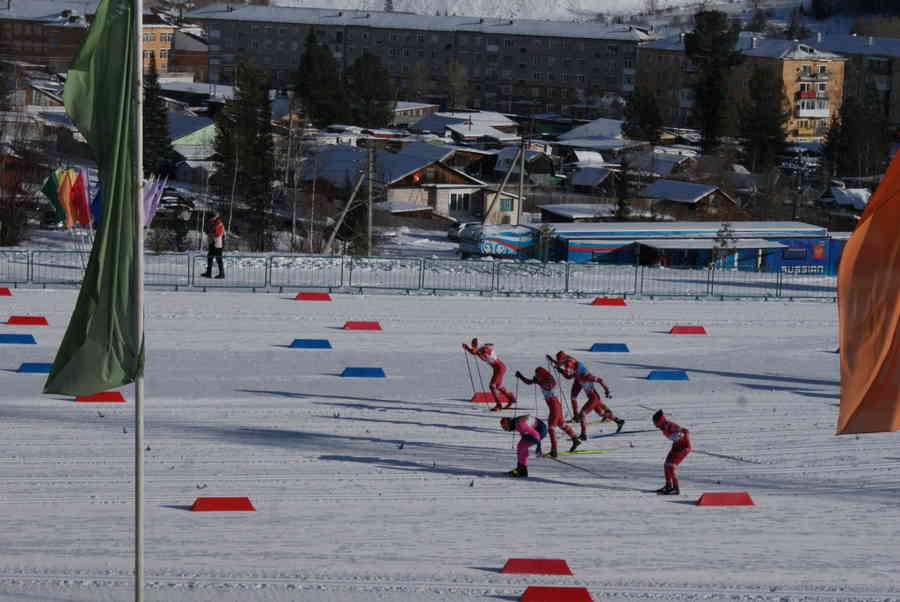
{"x":587,"y":470}
{"x":584,"y":451}
{"x":621,"y":433}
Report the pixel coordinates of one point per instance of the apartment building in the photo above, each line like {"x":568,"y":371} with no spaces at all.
{"x":873,"y":64}
{"x":510,"y":65}
{"x":813,"y":81}
{"x":50,"y":32}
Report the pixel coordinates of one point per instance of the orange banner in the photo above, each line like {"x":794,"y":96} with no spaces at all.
{"x":869,"y":315}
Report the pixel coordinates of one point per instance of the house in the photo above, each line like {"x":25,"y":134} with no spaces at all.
{"x":193,"y":139}
{"x":592,"y":180}
{"x":655,"y":163}
{"x":538,"y":165}
{"x":190,"y":54}
{"x":437,"y":123}
{"x":413,"y":179}
{"x":407,"y":113}
{"x":686,"y":199}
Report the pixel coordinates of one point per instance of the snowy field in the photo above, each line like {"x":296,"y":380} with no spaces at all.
{"x":391,"y":489}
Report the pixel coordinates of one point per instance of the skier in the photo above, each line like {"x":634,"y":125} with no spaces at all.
{"x":486,"y":353}
{"x":547,"y":383}
{"x":532,"y":430}
{"x":575,"y":370}
{"x":681,"y":447}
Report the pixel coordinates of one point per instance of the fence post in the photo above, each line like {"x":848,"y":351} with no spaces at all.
{"x":710,"y":280}
{"x":568,"y":265}
{"x":422,"y":273}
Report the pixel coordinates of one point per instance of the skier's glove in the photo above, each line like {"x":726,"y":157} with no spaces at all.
{"x":519,"y":375}
{"x":608,"y":395}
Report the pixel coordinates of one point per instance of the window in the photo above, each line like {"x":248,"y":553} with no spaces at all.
{"x":506,"y":204}
{"x":507,"y":43}
{"x":794,"y":254}
{"x":148,"y":55}
{"x":459,"y":201}
{"x":164,"y":54}
{"x":612,"y":50}
{"x":149,"y":37}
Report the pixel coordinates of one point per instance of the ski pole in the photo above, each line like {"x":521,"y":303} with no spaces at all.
{"x":469,"y":370}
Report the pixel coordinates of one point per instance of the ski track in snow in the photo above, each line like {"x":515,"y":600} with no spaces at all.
{"x":391,"y":489}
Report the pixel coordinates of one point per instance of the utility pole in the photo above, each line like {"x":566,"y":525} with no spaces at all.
{"x":371,"y":172}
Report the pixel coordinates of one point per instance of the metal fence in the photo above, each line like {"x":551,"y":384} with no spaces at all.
{"x":39,"y":267}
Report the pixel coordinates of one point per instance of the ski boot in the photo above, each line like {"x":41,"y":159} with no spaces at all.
{"x":510,"y":402}
{"x":206,"y":275}
{"x":582,"y":437}
{"x":619,"y":424}
{"x":668,"y":490}
{"x":520,"y":471}
{"x":552,"y":453}
{"x":575,"y":443}
{"x":497,"y":408}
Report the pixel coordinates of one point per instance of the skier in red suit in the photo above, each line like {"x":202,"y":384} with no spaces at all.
{"x":575,"y":370}
{"x":547,"y":384}
{"x":681,"y":447}
{"x":487,"y":354}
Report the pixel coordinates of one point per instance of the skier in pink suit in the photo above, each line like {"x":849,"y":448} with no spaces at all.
{"x":487,"y":354}
{"x":547,"y":383}
{"x":532,"y":430}
{"x":681,"y":447}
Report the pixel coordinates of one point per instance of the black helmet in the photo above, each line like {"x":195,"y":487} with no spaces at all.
{"x":657,"y":417}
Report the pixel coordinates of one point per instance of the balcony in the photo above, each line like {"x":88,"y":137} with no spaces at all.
{"x":813,"y":113}
{"x":809,"y":76}
{"x":806,"y":94}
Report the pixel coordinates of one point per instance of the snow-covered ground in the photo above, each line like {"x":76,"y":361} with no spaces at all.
{"x":391,"y":489}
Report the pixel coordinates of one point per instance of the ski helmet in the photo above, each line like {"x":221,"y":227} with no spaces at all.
{"x":506,"y":423}
{"x":560,"y":356}
{"x":541,"y":373}
{"x":657,"y":417}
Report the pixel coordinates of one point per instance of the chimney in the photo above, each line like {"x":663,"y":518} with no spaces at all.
{"x":819,"y":37}
{"x":754,"y":42}
{"x":870,"y":41}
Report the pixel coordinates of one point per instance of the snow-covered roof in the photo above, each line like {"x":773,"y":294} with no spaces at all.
{"x":400,"y":20}
{"x":342,"y":165}
{"x":438,"y":122}
{"x":854,"y":44}
{"x":599,"y":144}
{"x":480,"y":130}
{"x":851,"y":197}
{"x":589,"y":176}
{"x":405,"y":105}
{"x":659,"y":163}
{"x":604,"y":128}
{"x":188,"y":42}
{"x":684,"y":229}
{"x":182,"y":124}
{"x":752,"y":45}
{"x":579,"y":210}
{"x":49,"y":11}
{"x":214,"y":91}
{"x":433,"y":152}
{"x":679,"y":192}
{"x":509,"y":153}
{"x":585,"y":157}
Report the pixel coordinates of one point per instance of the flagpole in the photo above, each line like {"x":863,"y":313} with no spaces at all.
{"x":139,"y":298}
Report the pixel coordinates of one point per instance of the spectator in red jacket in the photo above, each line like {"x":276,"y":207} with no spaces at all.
{"x":681,"y":447}
{"x":216,"y":235}
{"x":487,"y":354}
{"x":547,"y":384}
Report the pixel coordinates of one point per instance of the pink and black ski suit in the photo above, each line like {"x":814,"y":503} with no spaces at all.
{"x":681,"y":447}
{"x":532,"y":429}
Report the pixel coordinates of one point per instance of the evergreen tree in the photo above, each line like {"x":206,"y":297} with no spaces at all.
{"x":711,"y":47}
{"x":759,"y":22}
{"x":159,"y":156}
{"x":244,"y":149}
{"x":319,"y":85}
{"x":371,"y":92}
{"x":858,"y":140}
{"x":822,"y":9}
{"x":763,"y":120}
{"x":642,"y":118}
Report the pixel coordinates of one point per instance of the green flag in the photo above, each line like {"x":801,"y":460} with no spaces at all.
{"x":102,"y":347}
{"x":49,"y":188}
